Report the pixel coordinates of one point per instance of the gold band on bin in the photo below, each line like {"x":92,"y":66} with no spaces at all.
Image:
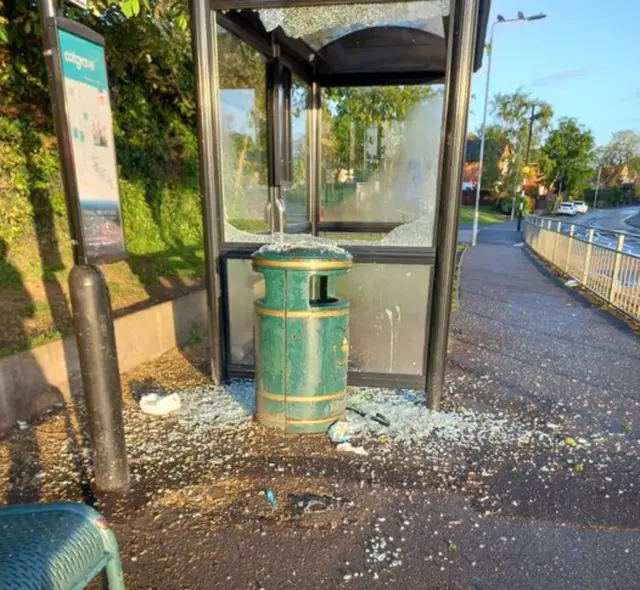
{"x":303,"y":264}
{"x":281,"y":397}
{"x":295,"y":422}
{"x":309,"y":313}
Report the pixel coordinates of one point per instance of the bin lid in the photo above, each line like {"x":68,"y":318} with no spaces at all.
{"x":298,"y":256}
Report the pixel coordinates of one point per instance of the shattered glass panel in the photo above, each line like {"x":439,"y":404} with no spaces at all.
{"x":319,"y":25}
{"x":349,"y":237}
{"x":319,"y":39}
{"x":243,"y":130}
{"x":382,"y":166}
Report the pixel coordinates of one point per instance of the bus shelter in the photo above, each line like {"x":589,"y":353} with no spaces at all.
{"x":345,"y":122}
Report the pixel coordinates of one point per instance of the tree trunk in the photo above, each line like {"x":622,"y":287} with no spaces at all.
{"x":242,"y":159}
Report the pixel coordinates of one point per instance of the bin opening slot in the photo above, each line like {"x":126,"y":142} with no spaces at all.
{"x":319,"y":290}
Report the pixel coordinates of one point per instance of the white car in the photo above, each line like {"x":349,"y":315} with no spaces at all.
{"x":567,"y":208}
{"x":581,"y":206}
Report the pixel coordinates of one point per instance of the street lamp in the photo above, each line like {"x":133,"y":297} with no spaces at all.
{"x":499,"y":20}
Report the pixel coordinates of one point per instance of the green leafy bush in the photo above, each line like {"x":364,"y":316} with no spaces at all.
{"x":30,"y":185}
{"x":15,"y":208}
{"x":141,"y":231}
{"x":180,"y":216}
{"x":151,"y":80}
{"x":503,"y":204}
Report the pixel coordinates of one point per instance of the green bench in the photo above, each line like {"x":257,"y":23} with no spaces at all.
{"x":60,"y":546}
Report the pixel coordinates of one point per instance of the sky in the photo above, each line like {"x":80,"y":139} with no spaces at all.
{"x":236,"y":107}
{"x":583,"y":59}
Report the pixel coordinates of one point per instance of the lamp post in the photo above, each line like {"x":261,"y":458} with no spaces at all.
{"x":499,"y":20}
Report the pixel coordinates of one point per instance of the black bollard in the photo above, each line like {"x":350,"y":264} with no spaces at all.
{"x":93,"y":326}
{"x":520,"y":208}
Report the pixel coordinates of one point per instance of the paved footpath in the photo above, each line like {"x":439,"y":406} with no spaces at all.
{"x":542,"y":342}
{"x":526,"y":345}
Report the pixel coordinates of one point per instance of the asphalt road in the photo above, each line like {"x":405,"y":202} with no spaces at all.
{"x":614,"y":219}
{"x":605,"y":222}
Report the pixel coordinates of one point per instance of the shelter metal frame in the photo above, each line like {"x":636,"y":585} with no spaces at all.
{"x":465,"y":29}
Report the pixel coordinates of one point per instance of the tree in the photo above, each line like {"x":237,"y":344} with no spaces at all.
{"x":496,"y":141}
{"x":377,"y":104}
{"x":544,"y":165}
{"x":623,"y":147}
{"x":569,"y":156}
{"x":512,"y":113}
{"x":351,"y":113}
{"x":634,"y":166}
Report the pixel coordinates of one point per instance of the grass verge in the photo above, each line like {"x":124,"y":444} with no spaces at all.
{"x":486,"y":216}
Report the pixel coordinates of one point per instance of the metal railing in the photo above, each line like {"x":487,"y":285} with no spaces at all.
{"x":606,"y":262}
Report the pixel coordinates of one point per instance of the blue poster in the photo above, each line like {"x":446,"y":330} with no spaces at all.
{"x":88,"y":109}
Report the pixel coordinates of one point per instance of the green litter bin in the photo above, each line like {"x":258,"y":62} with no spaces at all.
{"x":301,"y":338}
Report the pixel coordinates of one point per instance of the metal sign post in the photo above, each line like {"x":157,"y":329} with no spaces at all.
{"x":82,"y":116}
